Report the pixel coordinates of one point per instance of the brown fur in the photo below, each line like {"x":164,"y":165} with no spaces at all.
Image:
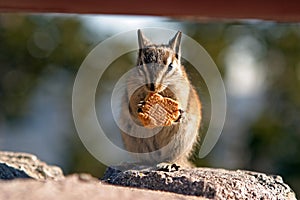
{"x":179,"y":138}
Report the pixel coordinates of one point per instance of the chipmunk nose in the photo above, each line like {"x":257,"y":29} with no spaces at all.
{"x":155,"y":87}
{"x":152,"y":87}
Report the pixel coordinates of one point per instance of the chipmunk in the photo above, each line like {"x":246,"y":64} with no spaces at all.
{"x":159,"y":70}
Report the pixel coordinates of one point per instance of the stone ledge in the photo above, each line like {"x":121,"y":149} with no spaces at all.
{"x":205,"y":182}
{"x":48,"y":182}
{"x":78,"y":187}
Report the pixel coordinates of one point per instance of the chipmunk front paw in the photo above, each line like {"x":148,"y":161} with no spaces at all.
{"x":167,"y":167}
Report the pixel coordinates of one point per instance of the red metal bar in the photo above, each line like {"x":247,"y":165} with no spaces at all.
{"x":230,"y":9}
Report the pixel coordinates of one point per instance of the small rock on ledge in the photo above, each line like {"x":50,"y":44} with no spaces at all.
{"x":24,"y":165}
{"x":205,"y":182}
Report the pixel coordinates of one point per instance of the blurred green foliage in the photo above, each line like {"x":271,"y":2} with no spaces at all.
{"x":23,"y":59}
{"x":273,"y":144}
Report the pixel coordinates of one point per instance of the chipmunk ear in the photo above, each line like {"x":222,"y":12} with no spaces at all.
{"x":175,"y":42}
{"x":143,"y":41}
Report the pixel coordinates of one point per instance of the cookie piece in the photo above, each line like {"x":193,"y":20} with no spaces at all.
{"x":159,"y":111}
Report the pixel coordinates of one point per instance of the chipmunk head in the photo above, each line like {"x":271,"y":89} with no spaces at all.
{"x":159,"y":64}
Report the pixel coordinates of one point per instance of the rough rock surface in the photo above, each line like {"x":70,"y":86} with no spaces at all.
{"x":77,"y":187}
{"x":8,"y":173}
{"x":205,"y":182}
{"x":40,"y":181}
{"x":24,"y":165}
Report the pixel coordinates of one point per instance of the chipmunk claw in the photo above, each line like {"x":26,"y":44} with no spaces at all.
{"x":140,"y":105}
{"x":180,"y":116}
{"x":167,"y":167}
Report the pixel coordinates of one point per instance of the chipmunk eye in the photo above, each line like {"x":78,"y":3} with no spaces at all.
{"x":170,"y":67}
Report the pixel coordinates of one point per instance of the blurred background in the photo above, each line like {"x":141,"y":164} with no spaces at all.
{"x":259,"y":62}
